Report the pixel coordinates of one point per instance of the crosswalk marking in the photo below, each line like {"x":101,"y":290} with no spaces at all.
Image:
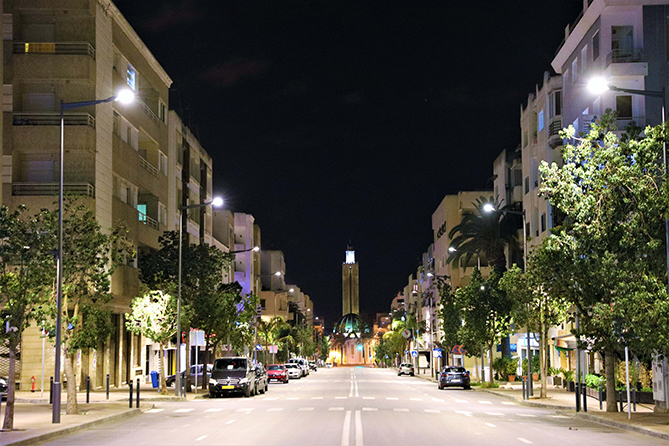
{"x":336,"y":408}
{"x":464,"y":412}
{"x":526,"y":415}
{"x":211,"y":410}
{"x":524,"y":440}
{"x":508,"y":403}
{"x":460,"y":401}
{"x":292,"y":399}
{"x":341,"y":397}
{"x":154,"y":410}
{"x":370,"y":409}
{"x":495,"y":414}
{"x":182,"y":410}
{"x":558,"y":416}
{"x":432,"y":411}
{"x":490,"y":424}
{"x":438,"y":400}
{"x":392,"y":398}
{"x":416,"y":399}
{"x":230,"y":422}
{"x":201,"y":438}
{"x":368,"y":398}
{"x":485,"y":402}
{"x":316,"y":397}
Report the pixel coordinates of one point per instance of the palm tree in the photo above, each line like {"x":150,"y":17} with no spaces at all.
{"x":485,"y":234}
{"x":268,"y":331}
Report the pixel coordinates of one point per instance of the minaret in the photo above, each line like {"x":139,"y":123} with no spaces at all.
{"x":350,"y":283}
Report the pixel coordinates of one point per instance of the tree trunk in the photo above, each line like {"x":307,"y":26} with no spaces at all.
{"x":476,"y":366}
{"x":9,"y":408}
{"x":543,"y":358}
{"x":610,"y":369}
{"x":163,"y":369}
{"x":72,"y":406}
{"x":187,"y":371}
{"x":490,"y":361}
{"x":482,"y":365}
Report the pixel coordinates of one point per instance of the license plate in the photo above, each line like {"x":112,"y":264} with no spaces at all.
{"x":227,"y":387}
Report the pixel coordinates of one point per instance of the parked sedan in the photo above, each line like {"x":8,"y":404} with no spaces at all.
{"x":294,"y":370}
{"x":4,"y":385}
{"x":262,"y":379}
{"x":405,"y":369}
{"x":277,"y":372}
{"x":169,"y":381}
{"x":454,"y":376}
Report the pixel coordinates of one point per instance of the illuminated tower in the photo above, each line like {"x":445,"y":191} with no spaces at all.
{"x":350,"y":284}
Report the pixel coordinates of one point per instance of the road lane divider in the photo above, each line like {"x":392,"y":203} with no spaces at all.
{"x":345,"y":434}
{"x":358,"y":429}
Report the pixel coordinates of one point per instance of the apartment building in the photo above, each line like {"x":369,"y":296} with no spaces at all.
{"x":115,"y":155}
{"x":625,"y":42}
{"x":247,"y":264}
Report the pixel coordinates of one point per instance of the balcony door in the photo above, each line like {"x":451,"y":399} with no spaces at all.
{"x":622,"y":39}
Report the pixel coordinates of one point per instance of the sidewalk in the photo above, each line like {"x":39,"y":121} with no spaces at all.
{"x":33,"y":413}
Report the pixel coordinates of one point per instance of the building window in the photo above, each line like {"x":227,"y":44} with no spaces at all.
{"x":141,"y":209}
{"x":556,"y":104}
{"x":162,"y":162}
{"x":574,"y":70}
{"x":624,"y":106}
{"x":595,"y":46}
{"x":162,"y":214}
{"x":584,"y":59}
{"x":262,"y":304}
{"x":540,"y":120}
{"x":131,"y":77}
{"x":543,"y":222}
{"x":525,"y":138}
{"x":527,"y":185}
{"x":527,"y":230}
{"x":162,"y":111}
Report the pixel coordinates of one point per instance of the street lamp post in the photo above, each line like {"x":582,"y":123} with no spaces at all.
{"x":216,"y":202}
{"x":125,"y":96}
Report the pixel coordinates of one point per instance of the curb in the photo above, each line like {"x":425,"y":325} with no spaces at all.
{"x":526,"y":403}
{"x":38,"y":438}
{"x":623,"y":426}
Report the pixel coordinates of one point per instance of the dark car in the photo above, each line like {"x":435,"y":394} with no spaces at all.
{"x":277,"y":372}
{"x":4,"y":385}
{"x":232,"y":375}
{"x":262,"y":379}
{"x":454,"y":376}
{"x":169,"y":381}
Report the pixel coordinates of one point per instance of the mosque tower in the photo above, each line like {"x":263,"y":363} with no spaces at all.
{"x":350,"y":284}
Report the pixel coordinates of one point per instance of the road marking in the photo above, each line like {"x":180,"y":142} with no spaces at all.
{"x":495,"y":413}
{"x":558,"y":416}
{"x":246,"y":409}
{"x":416,"y":399}
{"x":275,"y":409}
{"x":292,"y":399}
{"x":401,"y":410}
{"x":201,"y":438}
{"x":182,"y":410}
{"x":460,"y":401}
{"x":485,"y":402}
{"x":211,"y":410}
{"x":524,"y":441}
{"x":439,"y":400}
{"x":341,"y":397}
{"x":356,"y":389}
{"x":336,"y":408}
{"x":358,"y":428}
{"x":316,"y":397}
{"x":432,"y":411}
{"x":271,"y":399}
{"x":464,"y":412}
{"x":368,"y":398}
{"x":347,"y":427}
{"x":526,"y":415}
{"x":392,"y":398}
{"x":154,"y":410}
{"x":304,"y":409}
{"x":350,"y":393}
{"x":490,"y":424}
{"x":370,"y":409}
{"x":231,"y":421}
{"x":508,"y":403}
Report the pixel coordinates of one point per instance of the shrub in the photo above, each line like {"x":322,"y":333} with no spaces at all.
{"x":594,"y":381}
{"x":639,"y":373}
{"x":490,"y":385}
{"x":505,"y":367}
{"x":512,"y":366}
{"x":568,"y":375}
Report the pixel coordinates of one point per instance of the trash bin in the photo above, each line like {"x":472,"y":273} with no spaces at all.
{"x":154,"y":379}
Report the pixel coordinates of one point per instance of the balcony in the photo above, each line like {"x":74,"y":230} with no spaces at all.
{"x":151,"y":222}
{"x":628,"y":62}
{"x":633,"y":55}
{"x":554,"y":128}
{"x":148,"y":166}
{"x":148,"y":111}
{"x":71,"y":48}
{"x":52,"y":189}
{"x":53,"y":118}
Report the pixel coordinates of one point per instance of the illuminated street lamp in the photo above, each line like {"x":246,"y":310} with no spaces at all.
{"x":217,"y":202}
{"x":125,"y":96}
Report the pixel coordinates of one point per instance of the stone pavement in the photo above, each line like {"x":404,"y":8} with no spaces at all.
{"x":32,"y":417}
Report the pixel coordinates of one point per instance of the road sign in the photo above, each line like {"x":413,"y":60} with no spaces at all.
{"x":458,"y":350}
{"x":258,"y":347}
{"x":436,"y":352}
{"x":414,"y":353}
{"x":406,"y":333}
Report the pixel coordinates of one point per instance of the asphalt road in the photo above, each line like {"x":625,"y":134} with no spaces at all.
{"x":354,"y":407}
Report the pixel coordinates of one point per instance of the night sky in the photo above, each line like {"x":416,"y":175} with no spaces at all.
{"x":334,"y":120}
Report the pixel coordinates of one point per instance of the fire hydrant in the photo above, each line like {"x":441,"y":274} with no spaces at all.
{"x":32,"y":380}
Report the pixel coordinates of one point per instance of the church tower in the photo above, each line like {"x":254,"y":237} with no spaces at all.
{"x":350,"y":283}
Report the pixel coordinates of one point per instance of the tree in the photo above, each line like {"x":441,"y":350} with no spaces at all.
{"x":449,"y":314}
{"x":268,"y":331}
{"x":89,"y":259}
{"x":609,"y":257}
{"x":26,"y":283}
{"x":485,"y":309}
{"x":324,"y":346}
{"x":154,"y":316}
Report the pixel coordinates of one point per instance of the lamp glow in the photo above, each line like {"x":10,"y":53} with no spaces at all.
{"x":598,"y":85}
{"x":125,"y":96}
{"x":256,"y":249}
{"x":277,"y":274}
{"x":451,"y":249}
{"x":488,"y":207}
{"x":217,"y":202}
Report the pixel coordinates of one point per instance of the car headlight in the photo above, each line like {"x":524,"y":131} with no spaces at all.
{"x":212,"y":381}
{"x":243,"y":381}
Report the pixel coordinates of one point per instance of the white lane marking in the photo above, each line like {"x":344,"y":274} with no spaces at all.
{"x":276,"y":397}
{"x":416,"y":399}
{"x":508,"y":403}
{"x":292,"y":399}
{"x":432,"y":411}
{"x":336,"y":408}
{"x":490,"y":424}
{"x":347,"y":428}
{"x":186,"y":425}
{"x":464,"y":412}
{"x":370,"y":409}
{"x":401,"y":410}
{"x":183,"y":410}
{"x":341,"y":397}
{"x":527,"y":415}
{"x":391,"y":398}
{"x":350,"y":393}
{"x":460,"y":401}
{"x":154,"y":410}
{"x":246,"y":409}
{"x":356,"y":389}
{"x":316,"y":397}
{"x":212,"y":410}
{"x":368,"y":398}
{"x":495,"y":413}
{"x":485,"y":402}
{"x":558,"y":416}
{"x":231,"y":421}
{"x":275,"y":409}
{"x":358,"y":428}
{"x":304,"y":409}
{"x":201,"y":438}
{"x":438,"y":400}
{"x":524,"y":440}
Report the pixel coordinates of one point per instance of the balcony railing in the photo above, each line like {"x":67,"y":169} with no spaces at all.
{"x":148,"y":166}
{"x":633,"y":55}
{"x":148,"y":111}
{"x":554,"y":127}
{"x":76,"y":48}
{"x":51,"y":189}
{"x":53,"y":118}
{"x":151,"y":222}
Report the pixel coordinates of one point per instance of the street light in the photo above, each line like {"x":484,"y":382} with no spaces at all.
{"x":125,"y":96}
{"x":216,"y":202}
{"x":254,"y":249}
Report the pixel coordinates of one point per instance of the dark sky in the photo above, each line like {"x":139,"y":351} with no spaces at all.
{"x":331,"y":120}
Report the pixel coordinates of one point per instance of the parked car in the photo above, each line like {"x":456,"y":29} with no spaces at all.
{"x":405,"y":369}
{"x":454,"y":376}
{"x":169,"y":381}
{"x":328,"y":365}
{"x":302,"y":363}
{"x":278,"y":372}
{"x":262,"y":380}
{"x":232,"y":375}
{"x":313,"y":366}
{"x":4,"y":385}
{"x":294,"y":370}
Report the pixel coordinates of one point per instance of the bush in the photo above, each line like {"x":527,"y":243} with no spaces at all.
{"x":594,"y":381}
{"x":512,"y":366}
{"x":639,"y":373}
{"x":504,"y":367}
{"x":568,"y":375}
{"x":490,"y":385}
{"x":536,"y":363}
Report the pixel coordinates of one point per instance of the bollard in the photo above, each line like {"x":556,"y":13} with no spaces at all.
{"x":600,"y":397}
{"x":51,"y":390}
{"x":130,"y":386}
{"x":523,"y":380}
{"x":620,"y":397}
{"x":584,"y":390}
{"x":577,"y":390}
{"x":88,"y":389}
{"x":634,"y":398}
{"x":138,"y":393}
{"x":107,"y":385}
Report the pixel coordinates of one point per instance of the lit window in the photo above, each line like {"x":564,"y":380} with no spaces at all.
{"x":131,"y":77}
{"x":540,"y":120}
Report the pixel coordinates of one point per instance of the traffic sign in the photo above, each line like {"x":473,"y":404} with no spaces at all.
{"x":406,"y":333}
{"x":414,"y":353}
{"x":258,"y":347}
{"x":458,"y":350}
{"x":436,"y":352}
